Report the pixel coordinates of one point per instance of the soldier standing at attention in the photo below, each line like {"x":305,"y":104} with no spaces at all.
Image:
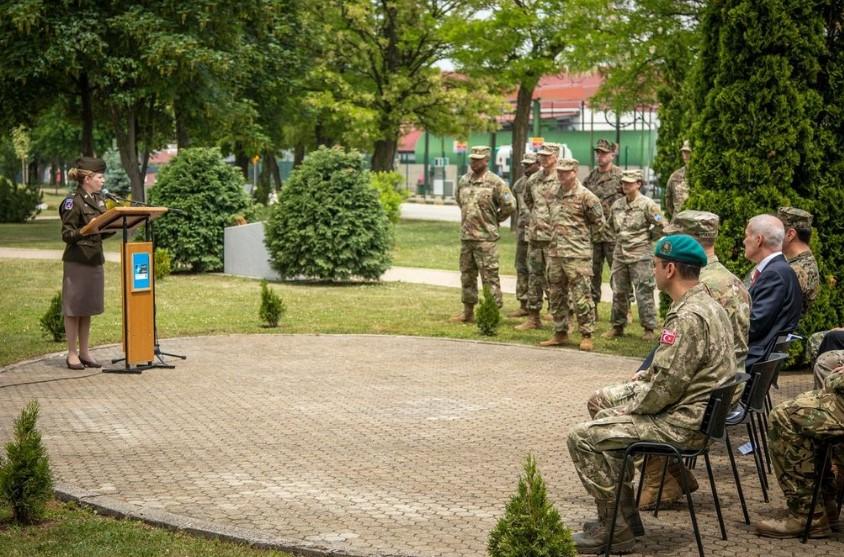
{"x":605,"y":182}
{"x":541,"y":199}
{"x":485,"y":201}
{"x":530,"y":164}
{"x":569,"y":256}
{"x":636,"y":221}
{"x":694,"y":356}
{"x":677,"y":190}
{"x":795,"y":248}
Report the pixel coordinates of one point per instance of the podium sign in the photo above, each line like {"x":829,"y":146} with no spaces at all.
{"x":137,"y":276}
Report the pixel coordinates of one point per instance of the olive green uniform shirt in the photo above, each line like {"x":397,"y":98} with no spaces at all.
{"x":76,"y":211}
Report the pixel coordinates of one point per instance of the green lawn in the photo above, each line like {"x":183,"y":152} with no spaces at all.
{"x":71,"y":531}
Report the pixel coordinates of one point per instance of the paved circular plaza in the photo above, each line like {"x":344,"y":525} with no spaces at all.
{"x":348,"y":445}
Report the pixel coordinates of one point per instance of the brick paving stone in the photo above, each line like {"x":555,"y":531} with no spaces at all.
{"x":369,"y":445}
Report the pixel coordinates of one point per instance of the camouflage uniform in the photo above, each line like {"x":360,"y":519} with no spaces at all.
{"x":796,"y":427}
{"x":826,"y":363}
{"x":607,"y":186}
{"x":484,"y":202}
{"x":522,"y":247}
{"x":806,"y":269}
{"x":635,"y":224}
{"x":540,"y":198}
{"x":576,"y":216}
{"x":676,"y":192}
{"x":693,"y":358}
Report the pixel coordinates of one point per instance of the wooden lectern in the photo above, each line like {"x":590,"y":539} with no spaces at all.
{"x":137,"y":261}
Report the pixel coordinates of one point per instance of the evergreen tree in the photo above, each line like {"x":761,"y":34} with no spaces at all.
{"x":488,"y":316}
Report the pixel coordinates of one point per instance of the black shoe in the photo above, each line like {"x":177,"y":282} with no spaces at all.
{"x":89,"y":363}
{"x":73,"y":366}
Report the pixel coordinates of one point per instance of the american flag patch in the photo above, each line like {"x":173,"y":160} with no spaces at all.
{"x":668,"y":337}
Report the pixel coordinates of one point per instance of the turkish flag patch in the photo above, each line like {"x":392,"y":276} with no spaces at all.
{"x":668,"y":337}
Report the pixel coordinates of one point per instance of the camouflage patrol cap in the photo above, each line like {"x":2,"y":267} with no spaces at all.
{"x":604,"y":145}
{"x":681,"y":248}
{"x":529,"y":158}
{"x":632,"y":176}
{"x":697,"y":224}
{"x":480,"y":152}
{"x":567,"y":164}
{"x":549,"y":149}
{"x":792,"y":217}
{"x":687,"y":146}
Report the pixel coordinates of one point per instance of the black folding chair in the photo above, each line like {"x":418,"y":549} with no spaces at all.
{"x":713,"y":426}
{"x":822,"y":456}
{"x":781,"y":346}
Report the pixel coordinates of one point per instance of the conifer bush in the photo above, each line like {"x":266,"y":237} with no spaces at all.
{"x":488,"y":316}
{"x":52,"y":322}
{"x":26,"y":483}
{"x":272,"y":306}
{"x":209,"y":195}
{"x":163,"y":263}
{"x":531,"y":526}
{"x":328,"y":223}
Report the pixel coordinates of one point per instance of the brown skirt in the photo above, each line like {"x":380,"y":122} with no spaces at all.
{"x":82,"y":289}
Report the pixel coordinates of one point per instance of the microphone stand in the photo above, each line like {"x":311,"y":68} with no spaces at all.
{"x":150,"y":234}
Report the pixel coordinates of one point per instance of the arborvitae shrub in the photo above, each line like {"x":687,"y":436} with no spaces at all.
{"x":328,"y":223}
{"x":209,"y":195}
{"x":272,"y":306}
{"x":531,"y":526}
{"x":52,"y":322}
{"x":25,"y":480}
{"x":163,"y":263}
{"x":488,"y":315}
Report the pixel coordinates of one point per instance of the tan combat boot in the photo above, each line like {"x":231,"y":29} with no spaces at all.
{"x":560,"y":338}
{"x":671,"y":491}
{"x":521,"y":312}
{"x":615,"y":332}
{"x":466,"y":316}
{"x":649,"y":335}
{"x":532,"y":322}
{"x":592,"y":541}
{"x":627,"y":509}
{"x":792,"y":526}
{"x":586,"y":344}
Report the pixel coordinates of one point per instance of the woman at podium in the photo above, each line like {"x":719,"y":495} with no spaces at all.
{"x":83,"y":282}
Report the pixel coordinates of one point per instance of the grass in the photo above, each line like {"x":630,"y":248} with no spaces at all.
{"x":218,"y":304}
{"x":71,"y":531}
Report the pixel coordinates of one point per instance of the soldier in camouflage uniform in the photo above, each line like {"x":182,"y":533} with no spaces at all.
{"x":636,"y":220}
{"x":540,"y":197}
{"x":825,"y":364}
{"x":485,"y":201}
{"x":796,"y":427}
{"x":694,"y":356}
{"x":795,"y":248}
{"x":605,"y":182}
{"x":576,"y":217}
{"x":530,"y":164}
{"x":677,"y":189}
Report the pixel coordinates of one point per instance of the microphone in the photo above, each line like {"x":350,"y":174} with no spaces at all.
{"x":108,"y":195}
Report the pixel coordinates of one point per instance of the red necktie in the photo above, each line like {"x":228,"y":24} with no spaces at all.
{"x":755,"y":276}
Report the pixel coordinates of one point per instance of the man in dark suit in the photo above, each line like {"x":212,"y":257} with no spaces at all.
{"x":775,"y":298}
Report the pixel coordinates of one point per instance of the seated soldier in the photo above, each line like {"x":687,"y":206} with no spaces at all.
{"x":693,"y":357}
{"x":796,"y":427}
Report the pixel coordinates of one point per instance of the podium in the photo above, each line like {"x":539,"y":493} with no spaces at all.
{"x":137,"y":261}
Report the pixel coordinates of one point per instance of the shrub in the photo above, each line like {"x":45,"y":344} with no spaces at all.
{"x":52,"y":322}
{"x":390,"y":193}
{"x":272,"y":306}
{"x":328,"y":223}
{"x":163,"y":263}
{"x":25,"y":480}
{"x":209,"y":193}
{"x":116,"y":179}
{"x":531,"y":526}
{"x":488,"y":315}
{"x":18,"y":203}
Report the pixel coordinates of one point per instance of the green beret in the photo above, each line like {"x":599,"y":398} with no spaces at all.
{"x":681,"y":248}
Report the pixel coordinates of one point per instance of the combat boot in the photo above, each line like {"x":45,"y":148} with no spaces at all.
{"x":586,"y":343}
{"x":560,"y":338}
{"x":466,"y":316}
{"x":672,"y":490}
{"x":532,"y":322}
{"x":792,"y":526}
{"x":615,"y":332}
{"x":649,"y":335}
{"x":521,"y":312}
{"x":627,"y":509}
{"x":593,"y":541}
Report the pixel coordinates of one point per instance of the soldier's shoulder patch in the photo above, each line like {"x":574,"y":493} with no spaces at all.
{"x":668,"y":337}
{"x":68,"y":204}
{"x":657,"y":217}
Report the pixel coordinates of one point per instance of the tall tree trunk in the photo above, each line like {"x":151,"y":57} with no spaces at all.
{"x":270,"y":173}
{"x":241,"y":159}
{"x":126,"y":132}
{"x":384,"y":155}
{"x":521,"y":124}
{"x":87,"y":115}
{"x":32,"y":174}
{"x":298,"y":153}
{"x":182,"y":136}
